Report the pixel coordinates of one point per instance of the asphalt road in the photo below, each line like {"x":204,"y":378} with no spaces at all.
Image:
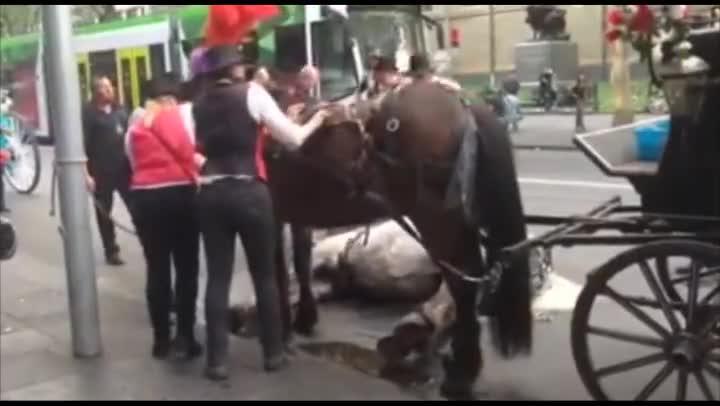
{"x":553,"y":182}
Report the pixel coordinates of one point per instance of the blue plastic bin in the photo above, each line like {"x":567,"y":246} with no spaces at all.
{"x":651,"y":141}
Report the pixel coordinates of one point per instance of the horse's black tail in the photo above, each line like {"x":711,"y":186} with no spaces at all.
{"x":498,"y":196}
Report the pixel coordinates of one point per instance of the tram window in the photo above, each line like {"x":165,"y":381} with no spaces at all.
{"x":333,"y":54}
{"x":157,"y":60}
{"x":126,"y":79}
{"x":104,"y":64}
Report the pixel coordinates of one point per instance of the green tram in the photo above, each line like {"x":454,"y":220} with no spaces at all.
{"x":132,"y":50}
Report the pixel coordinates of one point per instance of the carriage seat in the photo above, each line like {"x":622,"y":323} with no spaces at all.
{"x":615,"y":151}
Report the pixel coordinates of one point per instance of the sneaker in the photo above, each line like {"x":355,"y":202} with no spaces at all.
{"x":161,"y":350}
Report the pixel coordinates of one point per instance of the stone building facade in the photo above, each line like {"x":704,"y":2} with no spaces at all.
{"x":584,"y":23}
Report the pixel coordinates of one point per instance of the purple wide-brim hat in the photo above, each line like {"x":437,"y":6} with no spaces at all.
{"x":198,"y":62}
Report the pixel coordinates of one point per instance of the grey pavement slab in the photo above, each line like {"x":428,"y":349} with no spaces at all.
{"x":37,"y":362}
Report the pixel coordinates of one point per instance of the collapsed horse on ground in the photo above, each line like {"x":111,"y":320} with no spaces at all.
{"x":419,"y":154}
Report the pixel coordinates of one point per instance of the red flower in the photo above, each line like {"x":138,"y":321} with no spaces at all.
{"x":229,"y":24}
{"x":643,"y":21}
{"x":616,"y":16}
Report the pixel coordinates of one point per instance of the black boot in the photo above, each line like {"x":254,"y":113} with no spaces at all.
{"x":161,"y":349}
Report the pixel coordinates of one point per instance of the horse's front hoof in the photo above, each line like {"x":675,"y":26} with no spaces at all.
{"x":304,"y":328}
{"x":306,"y":321}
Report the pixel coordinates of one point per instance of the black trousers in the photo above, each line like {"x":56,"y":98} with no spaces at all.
{"x":227,"y":209}
{"x":168,"y":231}
{"x":105,"y":188}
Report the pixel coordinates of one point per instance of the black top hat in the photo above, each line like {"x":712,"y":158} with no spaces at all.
{"x":420,"y":65}
{"x":385,"y":64}
{"x":222,"y":57}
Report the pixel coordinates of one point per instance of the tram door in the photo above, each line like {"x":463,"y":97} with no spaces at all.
{"x":84,"y":77}
{"x":133,"y":70}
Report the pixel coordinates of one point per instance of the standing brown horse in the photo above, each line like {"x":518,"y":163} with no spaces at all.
{"x":400,"y":162}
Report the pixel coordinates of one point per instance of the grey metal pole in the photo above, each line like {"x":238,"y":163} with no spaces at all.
{"x":493,"y":46}
{"x":64,"y":95}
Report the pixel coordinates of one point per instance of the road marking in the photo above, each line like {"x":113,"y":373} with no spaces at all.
{"x":577,"y":184}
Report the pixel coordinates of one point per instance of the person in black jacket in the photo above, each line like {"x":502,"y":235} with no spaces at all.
{"x":235,"y":200}
{"x":108,"y":170}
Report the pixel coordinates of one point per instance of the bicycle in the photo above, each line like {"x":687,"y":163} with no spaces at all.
{"x":23,"y":170}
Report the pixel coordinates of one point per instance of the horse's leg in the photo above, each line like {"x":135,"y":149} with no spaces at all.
{"x":449,"y":240}
{"x":283,"y":284}
{"x":463,"y":367}
{"x":307,"y":315}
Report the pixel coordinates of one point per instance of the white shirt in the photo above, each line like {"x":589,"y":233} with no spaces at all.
{"x":265,"y":110}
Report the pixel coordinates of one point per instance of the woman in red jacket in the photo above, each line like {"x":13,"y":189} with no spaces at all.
{"x":161,"y":148}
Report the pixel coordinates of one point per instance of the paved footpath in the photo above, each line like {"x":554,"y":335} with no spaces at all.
{"x":37,"y":363}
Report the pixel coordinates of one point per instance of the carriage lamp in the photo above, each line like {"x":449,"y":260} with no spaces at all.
{"x":684,"y":78}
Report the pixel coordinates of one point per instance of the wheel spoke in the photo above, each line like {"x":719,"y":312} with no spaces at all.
{"x":714,"y":371}
{"x":681,"y":393}
{"x":655,"y":383}
{"x":692,"y":296}
{"x":630,"y":365}
{"x":659,"y":295}
{"x":639,"y":314}
{"x":706,"y":301}
{"x":627,"y":337}
{"x":712,"y":272}
{"x":704,"y":387}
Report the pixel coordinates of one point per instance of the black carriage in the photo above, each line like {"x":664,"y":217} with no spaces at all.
{"x":675,"y":233}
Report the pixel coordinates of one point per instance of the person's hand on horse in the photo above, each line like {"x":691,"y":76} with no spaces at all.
{"x":294,"y":112}
{"x":323,"y":115}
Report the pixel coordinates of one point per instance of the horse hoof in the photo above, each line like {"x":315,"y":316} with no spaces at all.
{"x":305,"y":322}
{"x":305,"y":329}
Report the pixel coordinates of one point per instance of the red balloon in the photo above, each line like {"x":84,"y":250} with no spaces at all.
{"x":230,"y":24}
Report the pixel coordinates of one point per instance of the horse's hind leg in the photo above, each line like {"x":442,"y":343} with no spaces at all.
{"x":463,"y":367}
{"x":307,"y":315}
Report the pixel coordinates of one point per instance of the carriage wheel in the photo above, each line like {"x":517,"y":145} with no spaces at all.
{"x":691,"y":344}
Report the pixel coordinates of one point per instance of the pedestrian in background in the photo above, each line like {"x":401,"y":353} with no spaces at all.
{"x":161,"y":149}
{"x":105,"y":124}
{"x":580,"y":94}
